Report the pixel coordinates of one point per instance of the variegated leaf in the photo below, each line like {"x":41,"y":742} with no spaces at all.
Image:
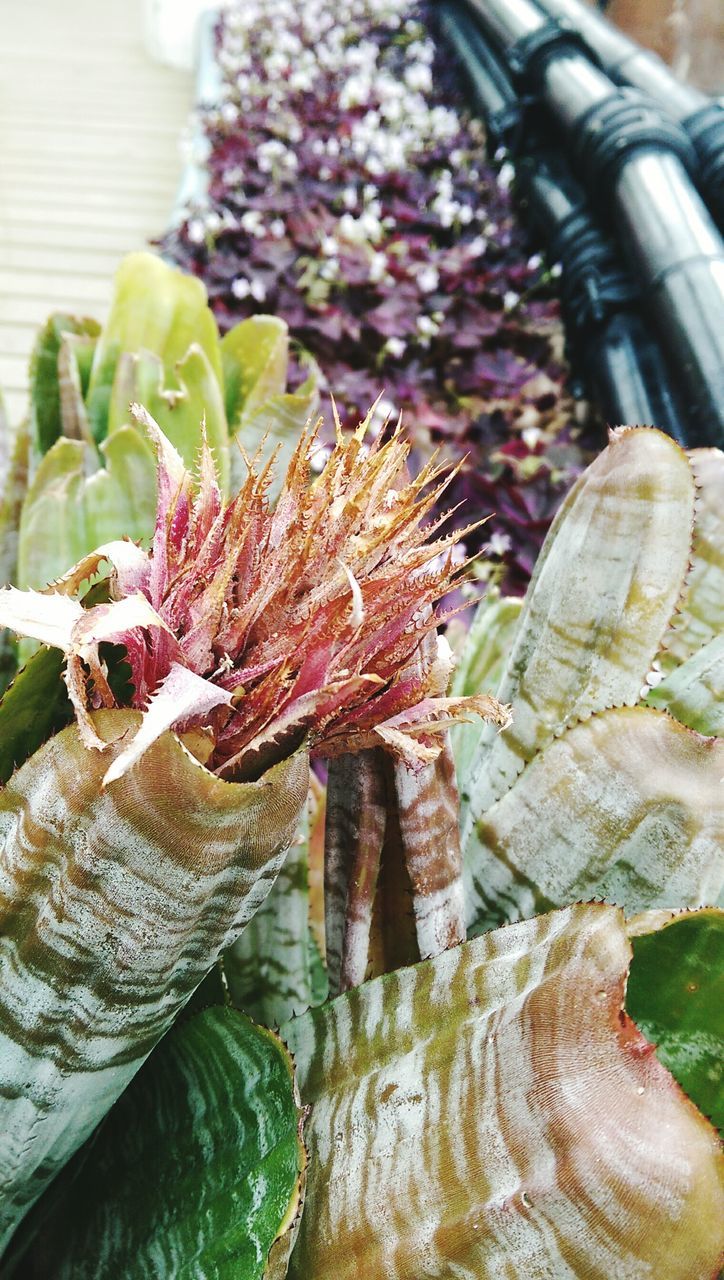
{"x":114,"y":903}
{"x":606,"y":583}
{"x":273,"y":970}
{"x":676,"y":994}
{"x":480,"y":668}
{"x":628,"y":805}
{"x":492,"y":1114}
{"x":694,"y":691}
{"x":701,"y":616}
{"x":198,"y":1170}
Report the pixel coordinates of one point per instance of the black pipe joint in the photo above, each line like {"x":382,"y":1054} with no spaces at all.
{"x":706,"y":130}
{"x":594,"y":283}
{"x":627,"y":121}
{"x":528,"y":57}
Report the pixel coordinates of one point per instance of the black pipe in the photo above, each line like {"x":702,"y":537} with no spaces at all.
{"x":635,"y":160}
{"x":491,"y":90}
{"x":625,"y":62}
{"x":607,"y":338}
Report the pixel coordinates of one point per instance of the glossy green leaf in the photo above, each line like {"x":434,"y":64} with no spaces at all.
{"x":493,"y":1113}
{"x":196,"y":1173}
{"x":479,"y":670}
{"x":694,"y":691}
{"x":196,"y":397}
{"x":35,"y":706}
{"x":274,"y":425}
{"x":255,"y":358}
{"x":676,"y":996}
{"x":155,"y":308}
{"x":272,"y":970}
{"x":75,"y":505}
{"x":45,"y":399}
{"x":628,"y":805}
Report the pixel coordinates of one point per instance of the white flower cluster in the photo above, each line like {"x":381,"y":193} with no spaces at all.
{"x":274,"y":49}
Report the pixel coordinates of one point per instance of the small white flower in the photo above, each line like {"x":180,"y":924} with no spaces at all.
{"x":278,"y":228}
{"x":229,"y":113}
{"x":329,"y":246}
{"x":510,"y":300}
{"x":426,"y":326}
{"x":428,"y":279}
{"x":349,"y":198}
{"x":258,"y":290}
{"x":196,"y":231}
{"x":396,"y":348}
{"x":535,"y":262}
{"x":252,"y":222}
{"x":531,"y":436}
{"x":241,"y":288}
{"x":506,"y":173}
{"x":499,"y":543}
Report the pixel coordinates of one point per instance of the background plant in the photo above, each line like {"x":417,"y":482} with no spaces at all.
{"x":350,"y":194}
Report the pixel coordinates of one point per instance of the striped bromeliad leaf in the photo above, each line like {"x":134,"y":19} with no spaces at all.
{"x":480,"y":666}
{"x":494,"y":1113}
{"x":628,"y":805}
{"x":273,"y":969}
{"x":14,"y":470}
{"x":701,"y":616}
{"x":676,"y":995}
{"x":114,"y":903}
{"x":198,"y":1171}
{"x":609,"y":576}
{"x":694,"y":690}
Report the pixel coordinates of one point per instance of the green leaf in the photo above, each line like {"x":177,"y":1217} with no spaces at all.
{"x":196,"y":397}
{"x":607,"y":581}
{"x":628,"y":805}
{"x":694,"y":691}
{"x":115,"y":902}
{"x":15,"y":482}
{"x":156,"y":309}
{"x":272,"y":970}
{"x":493,"y":1113}
{"x":255,"y":358}
{"x":197,"y":1171}
{"x":74,"y":506}
{"x":676,"y":996}
{"x":45,"y":399}
{"x":276,"y":424}
{"x":35,"y":706}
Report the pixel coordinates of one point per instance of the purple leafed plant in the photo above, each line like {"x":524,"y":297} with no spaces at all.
{"x":349,"y":194}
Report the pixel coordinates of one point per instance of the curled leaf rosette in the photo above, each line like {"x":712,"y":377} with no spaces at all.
{"x":140,"y":838}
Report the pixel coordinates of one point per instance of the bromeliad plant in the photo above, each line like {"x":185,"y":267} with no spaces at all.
{"x":258,"y":634}
{"x":490,"y":1110}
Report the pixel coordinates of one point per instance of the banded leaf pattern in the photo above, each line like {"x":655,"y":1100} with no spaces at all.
{"x":198,"y":1170}
{"x":628,"y":806}
{"x":607,"y":581}
{"x":694,"y":691}
{"x":113,"y":905}
{"x":272,"y":969}
{"x":493,"y":1114}
{"x":701,"y":616}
